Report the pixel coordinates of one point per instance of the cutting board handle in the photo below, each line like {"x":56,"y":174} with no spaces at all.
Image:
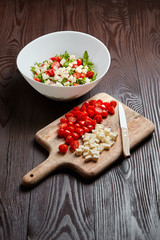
{"x":41,"y":171}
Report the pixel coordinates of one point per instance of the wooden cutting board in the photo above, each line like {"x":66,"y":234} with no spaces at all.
{"x":138,"y":126}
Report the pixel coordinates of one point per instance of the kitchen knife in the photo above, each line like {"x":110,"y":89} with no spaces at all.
{"x":124,"y":131}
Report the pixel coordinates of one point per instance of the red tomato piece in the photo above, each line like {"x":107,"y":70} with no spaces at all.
{"x":98,"y":103}
{"x":58,"y":58}
{"x":107,"y":104}
{"x":55,"y":65}
{"x":90,"y":74}
{"x":69,"y":139}
{"x":74,"y":144}
{"x":92,"y":102}
{"x":79,"y":61}
{"x":63,"y":120}
{"x":94,"y":123}
{"x":61,"y":132}
{"x":82,"y":123}
{"x":82,"y":75}
{"x":63,"y":125}
{"x":67,"y":133}
{"x":76,"y":75}
{"x":63,"y":148}
{"x":72,"y":119}
{"x":98,"y":118}
{"x":104,"y":114}
{"x":76,"y":109}
{"x":111,"y":110}
{"x":70,"y":124}
{"x":37,"y":79}
{"x":113,"y":103}
{"x":75,"y":136}
{"x":83,"y":108}
{"x":103,"y":107}
{"x":90,"y":127}
{"x":85,"y":129}
{"x":88,"y":122}
{"x":98,"y":110}
{"x":86,"y":103}
{"x":77,"y":125}
{"x":75,"y":66}
{"x":69,"y":114}
{"x":50,"y":72}
{"x":76,"y":84}
{"x":91,"y":107}
{"x":80,"y":131}
{"x":71,"y":129}
{"x":91,"y":113}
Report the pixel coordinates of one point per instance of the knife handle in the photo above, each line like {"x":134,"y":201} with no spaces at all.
{"x":125,"y":141}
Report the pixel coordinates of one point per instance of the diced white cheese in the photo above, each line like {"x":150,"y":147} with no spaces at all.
{"x":72,"y":57}
{"x":44,"y":76}
{"x":88,"y":158}
{"x":62,"y":61}
{"x":47,"y":82}
{"x":113,"y":135}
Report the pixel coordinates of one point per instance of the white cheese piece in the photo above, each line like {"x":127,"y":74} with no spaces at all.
{"x":88,"y":158}
{"x":62,"y":61}
{"x":113,"y":135}
{"x":72,"y":57}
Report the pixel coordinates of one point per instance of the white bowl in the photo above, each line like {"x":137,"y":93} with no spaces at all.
{"x":51,"y":44}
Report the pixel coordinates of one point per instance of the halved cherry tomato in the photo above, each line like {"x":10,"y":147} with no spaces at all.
{"x":61,"y":132}
{"x":86,"y":103}
{"x":69,"y":114}
{"x":75,"y":84}
{"x":58,"y":58}
{"x":82,"y":122}
{"x":69,"y":139}
{"x":98,"y":103}
{"x":72,"y":119}
{"x":79,"y":61}
{"x":83,"y":108}
{"x":91,"y":107}
{"x":70,"y":124}
{"x":75,"y":136}
{"x":76,"y":109}
{"x":67,"y":133}
{"x":111,"y":110}
{"x":82,"y":75}
{"x":107,"y":104}
{"x":90,"y":127}
{"x":103,"y":107}
{"x":92,"y":102}
{"x":63,"y":125}
{"x":90,"y":74}
{"x":77,"y":125}
{"x":37,"y":79}
{"x":80,"y":131}
{"x":98,"y":110}
{"x":113,"y":103}
{"x":74,"y":144}
{"x":50,"y":72}
{"x":71,"y":129}
{"x":91,"y":113}
{"x":75,"y":66}
{"x":55,"y":65}
{"x":76,"y":75}
{"x":104,"y":114}
{"x":85,"y":129}
{"x":63,"y":120}
{"x":63,"y":148}
{"x":98,"y":118}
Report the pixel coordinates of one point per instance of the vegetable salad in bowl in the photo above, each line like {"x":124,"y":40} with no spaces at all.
{"x":65,"y":70}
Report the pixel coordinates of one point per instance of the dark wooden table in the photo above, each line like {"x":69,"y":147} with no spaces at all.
{"x":124,"y":201}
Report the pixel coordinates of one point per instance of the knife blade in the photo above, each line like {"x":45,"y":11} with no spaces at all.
{"x":124,"y":131}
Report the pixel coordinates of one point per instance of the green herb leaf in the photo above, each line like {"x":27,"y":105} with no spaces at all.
{"x":85,"y":58}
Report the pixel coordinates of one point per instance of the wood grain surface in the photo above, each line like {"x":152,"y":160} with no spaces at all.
{"x":124,"y":201}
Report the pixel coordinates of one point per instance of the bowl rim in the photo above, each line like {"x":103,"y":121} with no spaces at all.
{"x":61,"y":32}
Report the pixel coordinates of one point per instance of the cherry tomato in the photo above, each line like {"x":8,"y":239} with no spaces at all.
{"x":76,"y":75}
{"x":50,"y":72}
{"x":63,"y":120}
{"x":88,"y":122}
{"x":98,"y":118}
{"x":82,"y":123}
{"x":98,"y":110}
{"x":75,"y":136}
{"x":67,"y":133}
{"x":83,"y":108}
{"x":85,"y":129}
{"x":91,"y":107}
{"x":37,"y":79}
{"x":91,"y":113}
{"x":76,"y":109}
{"x":86,"y":103}
{"x":77,"y":125}
{"x":75,"y":84}
{"x":113,"y":103}
{"x":80,"y":131}
{"x":69,"y":139}
{"x":63,"y":125}
{"x":63,"y":148}
{"x":89,"y":74}
{"x":90,"y":127}
{"x":71,"y":129}
{"x":70,"y":124}
{"x":92,"y":102}
{"x":82,"y":75}
{"x":75,"y":66}
{"x":69,"y":114}
{"x":61,"y":132}
{"x":58,"y":58}
{"x":79,"y":61}
{"x":72,"y":119}
{"x":74,"y":144}
{"x":98,"y":103}
{"x":104,"y":114}
{"x":111,"y":110}
{"x":107,"y":104}
{"x":103,"y":107}
{"x":55,"y":65}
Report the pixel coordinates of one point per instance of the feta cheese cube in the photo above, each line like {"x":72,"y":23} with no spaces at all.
{"x":113,"y":135}
{"x":62,"y":61}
